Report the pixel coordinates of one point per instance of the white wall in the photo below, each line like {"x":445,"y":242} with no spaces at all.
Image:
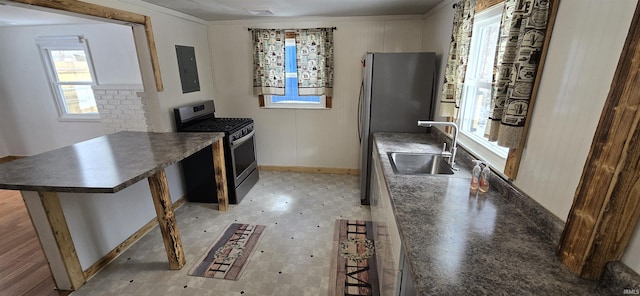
{"x":583,"y":54}
{"x":585,"y":47}
{"x":584,"y":51}
{"x":100,"y":222}
{"x":4,"y":150}
{"x":29,"y":116}
{"x":172,"y":31}
{"x":308,"y":138}
{"x":436,"y":37}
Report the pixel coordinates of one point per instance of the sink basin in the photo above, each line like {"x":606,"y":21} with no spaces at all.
{"x":419,"y":164}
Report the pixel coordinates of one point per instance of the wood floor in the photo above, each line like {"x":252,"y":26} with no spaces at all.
{"x":23,"y":267}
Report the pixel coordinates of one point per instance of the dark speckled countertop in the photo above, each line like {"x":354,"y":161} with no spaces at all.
{"x":105,"y":164}
{"x":462,"y":244}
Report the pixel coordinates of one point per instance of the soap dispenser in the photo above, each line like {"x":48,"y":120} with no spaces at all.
{"x":484,"y":178}
{"x":475,"y":176}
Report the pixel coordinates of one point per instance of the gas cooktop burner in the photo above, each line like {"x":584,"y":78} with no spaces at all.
{"x":227,"y":125}
{"x":201,"y":118}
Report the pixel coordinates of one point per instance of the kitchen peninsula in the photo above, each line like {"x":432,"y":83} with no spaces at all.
{"x":105,"y":164}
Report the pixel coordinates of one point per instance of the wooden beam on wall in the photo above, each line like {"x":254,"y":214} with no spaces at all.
{"x":109,"y":13}
{"x":484,"y":4}
{"x":515,"y":154}
{"x":606,"y":206}
{"x":151,"y":41}
{"x":87,"y":9}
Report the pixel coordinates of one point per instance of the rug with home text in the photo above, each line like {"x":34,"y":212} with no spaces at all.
{"x":354,"y":259}
{"x":230,"y":253}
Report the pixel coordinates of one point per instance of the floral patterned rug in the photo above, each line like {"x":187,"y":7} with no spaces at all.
{"x":355,"y":261}
{"x":228,"y":255}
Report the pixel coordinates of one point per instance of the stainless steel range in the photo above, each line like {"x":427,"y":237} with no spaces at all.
{"x":239,"y":153}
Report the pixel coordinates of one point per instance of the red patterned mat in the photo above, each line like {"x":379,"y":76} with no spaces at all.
{"x":354,"y":260}
{"x":229,"y":254}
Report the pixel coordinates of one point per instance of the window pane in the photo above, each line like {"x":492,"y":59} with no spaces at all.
{"x":79,"y":99}
{"x":290,"y":64}
{"x":477,"y":108}
{"x":486,"y":54}
{"x":71,"y":65}
{"x":476,"y":99}
{"x":291,"y":82}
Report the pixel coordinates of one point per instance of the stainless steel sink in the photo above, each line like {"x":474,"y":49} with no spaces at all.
{"x":419,"y":164}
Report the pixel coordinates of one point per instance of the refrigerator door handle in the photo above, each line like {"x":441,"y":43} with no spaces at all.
{"x":360,"y":106}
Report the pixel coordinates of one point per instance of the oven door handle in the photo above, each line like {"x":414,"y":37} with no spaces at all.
{"x":243,"y":139}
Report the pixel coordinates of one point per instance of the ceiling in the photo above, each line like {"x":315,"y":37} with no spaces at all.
{"x":212,"y":10}
{"x":18,"y":16}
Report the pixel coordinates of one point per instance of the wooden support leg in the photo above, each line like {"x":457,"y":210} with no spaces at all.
{"x":220,"y":174}
{"x":64,"y":243}
{"x":167,"y":219}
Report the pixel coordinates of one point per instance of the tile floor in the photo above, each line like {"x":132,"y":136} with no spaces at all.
{"x":292,"y":258}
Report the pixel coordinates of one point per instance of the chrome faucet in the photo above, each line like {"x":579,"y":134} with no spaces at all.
{"x":451,"y":154}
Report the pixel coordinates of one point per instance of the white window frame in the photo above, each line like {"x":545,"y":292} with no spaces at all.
{"x":269,"y":104}
{"x":489,"y":151}
{"x":48,"y":43}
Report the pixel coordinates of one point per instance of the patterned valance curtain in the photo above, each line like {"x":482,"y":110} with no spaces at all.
{"x":522,"y":33}
{"x":268,"y":62}
{"x":458,"y":56}
{"x":314,"y":51}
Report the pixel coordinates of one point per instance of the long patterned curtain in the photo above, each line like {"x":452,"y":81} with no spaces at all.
{"x":458,"y":56}
{"x":314,"y":51}
{"x":268,"y":62}
{"x":522,"y":33}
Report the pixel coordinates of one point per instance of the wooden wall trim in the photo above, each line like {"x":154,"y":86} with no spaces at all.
{"x":9,"y":158}
{"x":515,"y":154}
{"x":87,"y":9}
{"x":151,"y":42}
{"x":484,"y":4}
{"x":108,"y":13}
{"x":299,"y":169}
{"x":606,"y":206}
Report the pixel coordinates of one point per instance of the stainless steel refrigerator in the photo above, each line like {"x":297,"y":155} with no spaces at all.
{"x":397,"y":91}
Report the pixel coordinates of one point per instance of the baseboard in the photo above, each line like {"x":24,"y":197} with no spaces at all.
{"x":10,"y":158}
{"x":299,"y":169}
{"x":113,"y":254}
